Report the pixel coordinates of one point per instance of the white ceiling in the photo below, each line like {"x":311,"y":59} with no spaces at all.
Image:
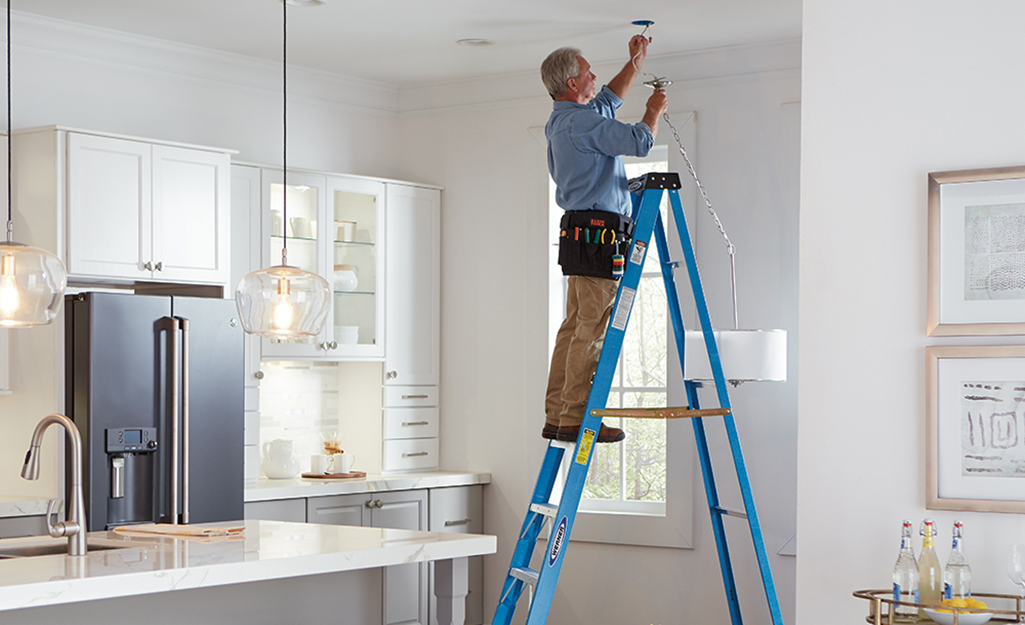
{"x":412,"y":42}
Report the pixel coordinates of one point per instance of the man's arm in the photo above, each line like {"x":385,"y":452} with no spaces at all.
{"x":620,"y":85}
{"x":656,"y":106}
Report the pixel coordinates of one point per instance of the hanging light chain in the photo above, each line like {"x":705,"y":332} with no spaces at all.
{"x":730,"y":248}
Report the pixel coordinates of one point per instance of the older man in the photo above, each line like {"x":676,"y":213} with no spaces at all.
{"x":585,"y":148}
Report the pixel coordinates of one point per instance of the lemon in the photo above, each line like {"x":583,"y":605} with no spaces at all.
{"x":957,"y":602}
{"x":975,"y":603}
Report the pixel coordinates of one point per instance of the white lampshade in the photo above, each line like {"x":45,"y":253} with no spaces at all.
{"x":32,"y":284}
{"x":283,"y":302}
{"x":746,"y":355}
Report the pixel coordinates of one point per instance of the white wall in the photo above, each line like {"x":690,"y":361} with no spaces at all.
{"x":473,"y":138}
{"x":891,"y":91}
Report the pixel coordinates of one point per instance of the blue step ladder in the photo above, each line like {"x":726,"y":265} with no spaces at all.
{"x":558,"y":502}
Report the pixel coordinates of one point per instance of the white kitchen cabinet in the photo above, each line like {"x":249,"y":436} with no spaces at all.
{"x":291,"y":510}
{"x":127,"y":209}
{"x":405,"y":586}
{"x":412,"y":359}
{"x":333,"y":225}
{"x":459,"y":509}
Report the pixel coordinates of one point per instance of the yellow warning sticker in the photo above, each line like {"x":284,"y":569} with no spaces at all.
{"x":586,"y":442}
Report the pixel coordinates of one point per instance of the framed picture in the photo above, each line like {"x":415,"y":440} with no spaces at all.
{"x":977,"y":252}
{"x":975,"y":430}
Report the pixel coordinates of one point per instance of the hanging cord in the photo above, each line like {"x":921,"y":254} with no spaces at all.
{"x":10,"y":221}
{"x":284,"y":132}
{"x":660,"y":83}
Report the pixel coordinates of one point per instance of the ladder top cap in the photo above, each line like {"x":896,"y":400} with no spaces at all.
{"x":656,"y":180}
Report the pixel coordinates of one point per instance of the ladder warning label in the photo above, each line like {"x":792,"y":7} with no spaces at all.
{"x":626,"y":302}
{"x":586,"y":443}
{"x":637,"y":255}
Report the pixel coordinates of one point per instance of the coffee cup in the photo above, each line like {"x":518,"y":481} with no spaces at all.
{"x":343,"y":463}
{"x":320,"y":464}
{"x":275,"y":223}
{"x":300,"y":227}
{"x":345,"y":230}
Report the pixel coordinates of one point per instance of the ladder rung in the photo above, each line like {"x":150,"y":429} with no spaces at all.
{"x":529,"y":576}
{"x":562,"y":444}
{"x":728,"y":512}
{"x":546,"y":509}
{"x":661,"y":413}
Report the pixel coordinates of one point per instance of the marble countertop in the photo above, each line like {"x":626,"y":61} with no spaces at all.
{"x":266,"y":489}
{"x":268,"y":550}
{"x":22,"y":506}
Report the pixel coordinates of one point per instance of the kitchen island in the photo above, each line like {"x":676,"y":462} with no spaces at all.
{"x":275,"y":572}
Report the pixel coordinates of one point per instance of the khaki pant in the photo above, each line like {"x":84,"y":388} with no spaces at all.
{"x":577,"y":348}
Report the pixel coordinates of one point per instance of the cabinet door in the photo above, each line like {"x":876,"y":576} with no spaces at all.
{"x":413,"y":266}
{"x":339,"y":510}
{"x":191,"y":215}
{"x":405,"y":585}
{"x":306,"y":250}
{"x":293,"y":510}
{"x":460,"y":510}
{"x":109,"y":207}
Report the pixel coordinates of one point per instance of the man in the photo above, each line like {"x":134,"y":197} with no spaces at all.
{"x":585,"y":148}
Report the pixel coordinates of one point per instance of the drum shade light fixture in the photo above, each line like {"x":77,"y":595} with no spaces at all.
{"x":32,"y":280}
{"x":283,"y":302}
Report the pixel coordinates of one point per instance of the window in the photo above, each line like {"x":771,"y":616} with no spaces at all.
{"x":641,"y":492}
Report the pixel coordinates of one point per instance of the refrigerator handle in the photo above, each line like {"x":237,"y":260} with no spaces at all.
{"x":185,"y":417}
{"x":175,"y":401}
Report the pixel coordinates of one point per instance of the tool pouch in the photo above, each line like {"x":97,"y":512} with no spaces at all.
{"x":590,"y":241}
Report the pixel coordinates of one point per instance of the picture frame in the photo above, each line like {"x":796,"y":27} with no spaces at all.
{"x":977,"y":252}
{"x":975,"y":428}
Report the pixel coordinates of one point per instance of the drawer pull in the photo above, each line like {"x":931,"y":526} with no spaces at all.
{"x":419,"y":453}
{"x":405,"y":423}
{"x":415,"y":396}
{"x":461,"y":522}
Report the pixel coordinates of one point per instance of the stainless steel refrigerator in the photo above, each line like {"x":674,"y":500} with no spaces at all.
{"x":155,"y":386}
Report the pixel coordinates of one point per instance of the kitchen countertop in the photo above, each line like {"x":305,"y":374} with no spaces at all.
{"x":266,"y":489}
{"x":22,"y":506}
{"x":269,"y":550}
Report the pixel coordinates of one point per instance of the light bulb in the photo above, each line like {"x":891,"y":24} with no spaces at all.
{"x":283,"y":310}
{"x":9,"y":299}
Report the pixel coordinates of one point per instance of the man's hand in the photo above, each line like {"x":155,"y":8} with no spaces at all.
{"x":655,"y":108}
{"x":638,"y":49}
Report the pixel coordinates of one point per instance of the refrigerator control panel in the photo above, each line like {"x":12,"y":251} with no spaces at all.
{"x":135,"y":440}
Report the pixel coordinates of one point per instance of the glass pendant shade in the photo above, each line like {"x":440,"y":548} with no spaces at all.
{"x":283,"y":302}
{"x":32,"y":285}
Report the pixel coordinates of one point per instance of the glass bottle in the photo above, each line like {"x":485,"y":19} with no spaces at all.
{"x":930,"y":575}
{"x":905,"y":578}
{"x":957,"y":576}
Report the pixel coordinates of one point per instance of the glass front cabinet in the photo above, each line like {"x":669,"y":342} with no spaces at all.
{"x":333,"y":227}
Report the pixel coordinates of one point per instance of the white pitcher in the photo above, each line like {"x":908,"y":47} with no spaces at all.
{"x":278,"y":462}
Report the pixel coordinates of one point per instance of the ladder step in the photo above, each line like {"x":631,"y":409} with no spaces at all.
{"x":546,"y":509}
{"x":562,"y":444}
{"x":524,"y":574}
{"x":661,"y":413}
{"x":728,"y":512}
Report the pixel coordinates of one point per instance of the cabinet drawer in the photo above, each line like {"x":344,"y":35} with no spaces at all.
{"x":409,"y":455}
{"x":458,"y":509}
{"x":410,"y":423}
{"x":407,"y":396}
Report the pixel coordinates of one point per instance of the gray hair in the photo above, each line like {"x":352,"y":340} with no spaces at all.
{"x":559,"y":67}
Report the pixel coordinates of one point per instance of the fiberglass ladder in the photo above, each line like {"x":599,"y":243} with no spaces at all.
{"x":560,"y":504}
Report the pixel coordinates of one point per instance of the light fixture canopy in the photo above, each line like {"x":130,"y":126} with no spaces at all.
{"x":283,"y":302}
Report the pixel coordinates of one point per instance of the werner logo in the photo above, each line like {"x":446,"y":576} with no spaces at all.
{"x":560,"y":535}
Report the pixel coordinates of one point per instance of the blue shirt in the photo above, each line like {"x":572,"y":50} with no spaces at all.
{"x":585,"y":146}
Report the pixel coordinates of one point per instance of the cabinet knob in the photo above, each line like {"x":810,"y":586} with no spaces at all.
{"x":375,"y":503}
{"x":334,"y":344}
{"x":159,"y":266}
{"x":148,"y":266}
{"x":392,"y":375}
{"x":259,"y":375}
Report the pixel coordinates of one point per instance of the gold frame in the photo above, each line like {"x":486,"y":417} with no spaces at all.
{"x":932,"y":498}
{"x":936,"y":179}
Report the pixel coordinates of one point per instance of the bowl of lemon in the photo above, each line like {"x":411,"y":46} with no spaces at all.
{"x":944,"y":615}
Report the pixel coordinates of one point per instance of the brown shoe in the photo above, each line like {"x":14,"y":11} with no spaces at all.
{"x":569,"y":433}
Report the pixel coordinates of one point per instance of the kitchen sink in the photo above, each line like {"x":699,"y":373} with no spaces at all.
{"x":50,"y":549}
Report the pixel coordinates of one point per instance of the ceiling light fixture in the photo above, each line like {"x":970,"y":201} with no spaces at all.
{"x":474,"y":42}
{"x":32,"y":280}
{"x":283,"y":302}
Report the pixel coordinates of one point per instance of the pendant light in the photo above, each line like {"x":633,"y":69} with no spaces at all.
{"x":32,"y":280}
{"x":283,"y":302}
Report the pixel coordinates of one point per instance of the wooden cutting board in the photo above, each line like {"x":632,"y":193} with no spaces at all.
{"x":355,"y":475}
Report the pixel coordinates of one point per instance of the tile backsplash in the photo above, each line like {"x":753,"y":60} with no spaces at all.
{"x":300,"y":401}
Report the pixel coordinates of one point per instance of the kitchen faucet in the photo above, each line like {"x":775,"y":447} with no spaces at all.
{"x":74,"y":527}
